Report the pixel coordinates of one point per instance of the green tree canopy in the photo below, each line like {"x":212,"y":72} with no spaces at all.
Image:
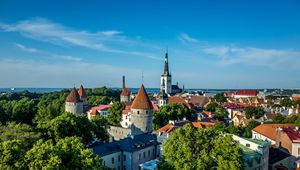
{"x":221,"y":113}
{"x":21,"y":132}
{"x":255,"y":112}
{"x":67,"y":153}
{"x":286,"y":102}
{"x":248,"y":129}
{"x":192,"y":148}
{"x":172,"y":111}
{"x":115,"y":113}
{"x":69,"y":124}
{"x":24,"y":110}
{"x":12,"y":154}
{"x":220,"y":97}
{"x":211,"y":107}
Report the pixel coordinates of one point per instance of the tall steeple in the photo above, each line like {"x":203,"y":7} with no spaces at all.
{"x":166,"y":68}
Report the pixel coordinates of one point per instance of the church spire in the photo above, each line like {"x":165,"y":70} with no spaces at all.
{"x":166,"y":68}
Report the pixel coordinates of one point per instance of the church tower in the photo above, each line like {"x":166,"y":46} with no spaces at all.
{"x":141,"y":113}
{"x":166,"y":78}
{"x":125,"y":94}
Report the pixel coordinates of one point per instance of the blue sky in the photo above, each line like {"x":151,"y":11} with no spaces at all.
{"x":212,"y":44}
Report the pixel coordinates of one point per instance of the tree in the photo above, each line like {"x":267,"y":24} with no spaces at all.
{"x":286,"y":102}
{"x":69,"y":124}
{"x":24,"y":110}
{"x":220,"y":97}
{"x":192,"y":148}
{"x":279,"y":118}
{"x":211,"y":107}
{"x":221,"y":113}
{"x":5,"y":111}
{"x":21,"y":132}
{"x":12,"y":154}
{"x":172,"y":111}
{"x":115,"y":113}
{"x":248,"y":129}
{"x":255,"y":112}
{"x":67,"y":153}
{"x":50,"y":106}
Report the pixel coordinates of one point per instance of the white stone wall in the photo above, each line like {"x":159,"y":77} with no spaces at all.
{"x":139,"y":157}
{"x":126,"y":120}
{"x":125,"y":98}
{"x":295,"y":147}
{"x":256,"y":135}
{"x":141,"y":121}
{"x":76,"y":108}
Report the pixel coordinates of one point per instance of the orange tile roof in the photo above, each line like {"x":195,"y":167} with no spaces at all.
{"x":142,"y":100}
{"x":269,"y":130}
{"x":175,"y":99}
{"x":82,"y":92}
{"x":295,"y":98}
{"x":73,"y":96}
{"x":199,"y":100}
{"x":170,"y":126}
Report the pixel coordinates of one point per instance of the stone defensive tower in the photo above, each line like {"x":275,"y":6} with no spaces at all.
{"x":125,"y":94}
{"x":73,"y":103}
{"x":141,"y":113}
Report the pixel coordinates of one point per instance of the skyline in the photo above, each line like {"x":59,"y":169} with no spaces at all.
{"x":211,"y":44}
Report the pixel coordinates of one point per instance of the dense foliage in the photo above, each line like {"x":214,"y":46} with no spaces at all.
{"x":220,"y":97}
{"x":172,"y":111}
{"x":192,"y":148}
{"x":255,"y":112}
{"x":115,"y":113}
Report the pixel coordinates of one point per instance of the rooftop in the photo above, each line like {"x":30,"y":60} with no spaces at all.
{"x":142,"y":100}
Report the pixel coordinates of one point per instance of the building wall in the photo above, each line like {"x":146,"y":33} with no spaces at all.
{"x":119,"y":132}
{"x":125,"y":98}
{"x":76,"y":108}
{"x":287,"y":162}
{"x":141,"y":121}
{"x":107,"y":160}
{"x":295,"y":149}
{"x":256,"y":135}
{"x":162,"y":102}
{"x":143,"y":155}
{"x":284,"y":141}
{"x":103,"y":113}
{"x":126,"y":120}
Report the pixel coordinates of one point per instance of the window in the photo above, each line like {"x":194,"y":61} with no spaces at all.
{"x":153,"y":152}
{"x":147,"y":112}
{"x":124,"y":168}
{"x":248,"y":145}
{"x":104,"y":163}
{"x":298,"y":151}
{"x":112,"y":160}
{"x":119,"y":158}
{"x":144,"y":155}
{"x":140,"y":155}
{"x":124,"y":158}
{"x":148,"y":153}
{"x":119,"y":168}
{"x":138,"y":112}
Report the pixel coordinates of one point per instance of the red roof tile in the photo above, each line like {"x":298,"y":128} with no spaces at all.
{"x":81,"y":92}
{"x":247,"y":92}
{"x":125,"y":92}
{"x":73,"y":96}
{"x":142,"y":100}
{"x":269,"y":130}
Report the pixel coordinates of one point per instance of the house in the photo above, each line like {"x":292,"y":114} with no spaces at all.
{"x":198,"y":101}
{"x":288,"y":138}
{"x":240,"y":120}
{"x":128,"y":153}
{"x":176,"y":99}
{"x":268,"y":131}
{"x":255,"y":152}
{"x":280,"y":160}
{"x":245,"y":93}
{"x":101,"y":110}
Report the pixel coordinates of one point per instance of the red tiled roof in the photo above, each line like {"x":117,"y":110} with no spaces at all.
{"x":170,"y":126}
{"x":73,"y":96}
{"x":295,"y":98}
{"x":198,"y":100}
{"x":269,"y":130}
{"x":125,"y":92}
{"x":293,"y":134}
{"x":142,"y":100}
{"x":247,"y":92}
{"x":82,"y":92}
{"x":175,"y":99}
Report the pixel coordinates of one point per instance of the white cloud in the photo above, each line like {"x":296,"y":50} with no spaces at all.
{"x":186,"y":38}
{"x":110,"y":41}
{"x":46,"y":53}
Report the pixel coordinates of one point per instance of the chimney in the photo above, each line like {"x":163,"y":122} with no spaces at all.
{"x":123,"y":82}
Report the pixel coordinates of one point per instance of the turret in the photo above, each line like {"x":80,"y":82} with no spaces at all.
{"x":82,"y":95}
{"x":73,"y":103}
{"x":125,"y":94}
{"x":141,"y":113}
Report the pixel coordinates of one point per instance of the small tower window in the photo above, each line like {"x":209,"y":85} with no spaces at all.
{"x":147,"y":112}
{"x":138,"y":112}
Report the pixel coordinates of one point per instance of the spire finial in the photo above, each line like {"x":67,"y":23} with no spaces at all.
{"x":142,"y":77}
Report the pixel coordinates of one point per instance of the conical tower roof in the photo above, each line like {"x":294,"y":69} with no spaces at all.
{"x":73,"y":96}
{"x":142,"y":100}
{"x":82,"y":92}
